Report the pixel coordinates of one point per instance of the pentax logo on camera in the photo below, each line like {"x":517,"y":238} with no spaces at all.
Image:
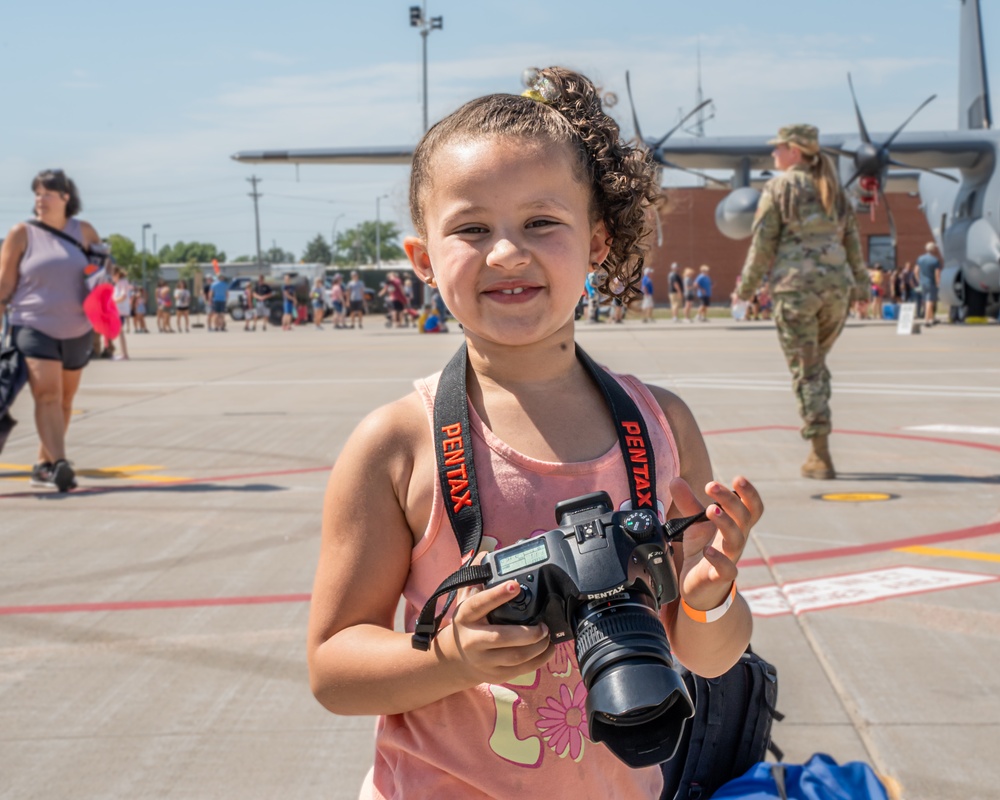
{"x":453,"y":452}
{"x":605,"y":595}
{"x":638,"y":462}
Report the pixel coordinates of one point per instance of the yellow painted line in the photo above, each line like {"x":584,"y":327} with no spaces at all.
{"x":158,"y":478}
{"x":22,"y":472}
{"x":943,"y":552}
{"x":124,"y":469}
{"x":100,"y":471}
{"x":855,"y":497}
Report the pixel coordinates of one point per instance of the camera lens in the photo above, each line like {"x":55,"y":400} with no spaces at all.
{"x":636,"y":700}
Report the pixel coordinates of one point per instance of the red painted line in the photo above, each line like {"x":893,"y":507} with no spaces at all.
{"x":788,"y":558}
{"x":142,"y":605}
{"x":912,"y":437}
{"x":876,"y":547}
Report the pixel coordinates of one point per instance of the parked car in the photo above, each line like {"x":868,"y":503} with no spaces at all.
{"x":236,"y":299}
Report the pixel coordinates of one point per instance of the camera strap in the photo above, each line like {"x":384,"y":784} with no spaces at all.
{"x":37,"y":223}
{"x":457,"y":473}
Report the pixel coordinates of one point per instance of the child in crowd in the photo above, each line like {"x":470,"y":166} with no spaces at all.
{"x":513,"y":198}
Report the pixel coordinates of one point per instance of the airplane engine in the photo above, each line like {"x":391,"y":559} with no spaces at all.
{"x":982,"y":250}
{"x":734,"y":214}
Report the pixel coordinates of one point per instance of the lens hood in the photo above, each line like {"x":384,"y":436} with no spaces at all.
{"x":638,"y":710}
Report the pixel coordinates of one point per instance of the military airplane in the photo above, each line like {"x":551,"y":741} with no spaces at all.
{"x":962,"y":205}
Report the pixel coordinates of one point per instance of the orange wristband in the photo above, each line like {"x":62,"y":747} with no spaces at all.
{"x":713,"y":613}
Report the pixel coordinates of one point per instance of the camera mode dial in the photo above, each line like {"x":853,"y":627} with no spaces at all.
{"x":640,"y":525}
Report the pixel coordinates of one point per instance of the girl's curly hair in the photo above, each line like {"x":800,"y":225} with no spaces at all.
{"x":622,"y":178}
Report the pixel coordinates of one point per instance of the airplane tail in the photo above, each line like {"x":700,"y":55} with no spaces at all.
{"x":973,"y":89}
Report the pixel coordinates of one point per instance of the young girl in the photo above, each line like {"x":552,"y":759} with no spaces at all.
{"x":513,"y":198}
{"x":182,"y":299}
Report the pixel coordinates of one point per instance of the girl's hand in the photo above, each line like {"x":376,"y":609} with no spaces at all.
{"x":712,"y":548}
{"x":495,"y":653}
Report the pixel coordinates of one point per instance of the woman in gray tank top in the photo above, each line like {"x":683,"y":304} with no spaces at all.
{"x":42,"y":283}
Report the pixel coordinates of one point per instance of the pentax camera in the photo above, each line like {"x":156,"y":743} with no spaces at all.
{"x":599,"y":578}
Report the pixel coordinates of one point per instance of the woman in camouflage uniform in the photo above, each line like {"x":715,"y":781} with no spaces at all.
{"x":806,"y":237}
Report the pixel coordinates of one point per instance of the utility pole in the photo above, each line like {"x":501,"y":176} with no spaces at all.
{"x":419,"y":19}
{"x":145,"y":226}
{"x":256,"y":216}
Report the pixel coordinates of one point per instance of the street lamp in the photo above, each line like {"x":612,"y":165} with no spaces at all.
{"x":419,"y":19}
{"x":378,"y":230}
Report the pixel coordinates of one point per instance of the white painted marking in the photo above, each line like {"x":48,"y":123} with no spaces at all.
{"x":270,"y":382}
{"x":978,"y":430}
{"x":799,"y":597}
{"x":841,"y":387}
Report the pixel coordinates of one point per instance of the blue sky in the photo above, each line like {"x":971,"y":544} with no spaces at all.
{"x":143,"y":104}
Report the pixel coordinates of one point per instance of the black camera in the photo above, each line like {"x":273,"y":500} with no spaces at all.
{"x":600,"y":578}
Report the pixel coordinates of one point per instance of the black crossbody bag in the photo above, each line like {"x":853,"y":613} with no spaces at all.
{"x":98,"y":255}
{"x":731,"y":728}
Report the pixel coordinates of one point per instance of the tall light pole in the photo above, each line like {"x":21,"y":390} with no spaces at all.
{"x":419,"y":19}
{"x":145,"y":225}
{"x":333,"y":234}
{"x":378,"y":230}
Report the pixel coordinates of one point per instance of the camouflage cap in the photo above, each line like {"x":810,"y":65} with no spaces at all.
{"x":805,"y":137}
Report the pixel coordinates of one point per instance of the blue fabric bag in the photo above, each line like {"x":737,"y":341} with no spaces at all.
{"x":820,"y":778}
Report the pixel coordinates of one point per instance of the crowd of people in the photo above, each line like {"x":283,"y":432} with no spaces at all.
{"x":914,"y":282}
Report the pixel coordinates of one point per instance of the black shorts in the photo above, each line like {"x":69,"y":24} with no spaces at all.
{"x":357,"y":307}
{"x":397,"y":306}
{"x":73,"y":353}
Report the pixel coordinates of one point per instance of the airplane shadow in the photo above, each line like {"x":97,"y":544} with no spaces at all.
{"x":913,"y":477}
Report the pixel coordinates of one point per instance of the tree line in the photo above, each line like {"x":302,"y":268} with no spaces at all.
{"x":353,"y":247}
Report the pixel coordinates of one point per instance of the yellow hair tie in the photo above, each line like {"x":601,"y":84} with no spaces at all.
{"x":540,"y":88}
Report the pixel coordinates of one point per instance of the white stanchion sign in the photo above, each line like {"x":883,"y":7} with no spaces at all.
{"x":907,"y":318}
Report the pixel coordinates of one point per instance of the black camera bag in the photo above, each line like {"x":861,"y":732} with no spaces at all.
{"x":729,"y":732}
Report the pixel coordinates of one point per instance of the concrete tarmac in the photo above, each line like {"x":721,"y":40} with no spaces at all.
{"x":152,"y":623}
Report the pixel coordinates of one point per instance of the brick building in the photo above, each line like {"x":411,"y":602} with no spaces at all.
{"x":691,"y":238}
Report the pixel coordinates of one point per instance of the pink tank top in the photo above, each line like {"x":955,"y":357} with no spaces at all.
{"x":529,"y":737}
{"x":51,"y":287}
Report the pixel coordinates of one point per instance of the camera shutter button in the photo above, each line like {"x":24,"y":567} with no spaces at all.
{"x":521,"y":601}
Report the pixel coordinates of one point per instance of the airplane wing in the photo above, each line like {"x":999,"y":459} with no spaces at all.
{"x":328,"y":155}
{"x":933,"y":150}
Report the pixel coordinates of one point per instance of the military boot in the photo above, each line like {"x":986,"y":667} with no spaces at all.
{"x":819,"y":465}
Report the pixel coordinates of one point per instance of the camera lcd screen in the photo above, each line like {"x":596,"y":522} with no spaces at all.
{"x":521,"y":557}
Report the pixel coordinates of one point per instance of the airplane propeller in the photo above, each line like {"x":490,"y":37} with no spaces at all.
{"x":654,"y":146}
{"x":872,"y":160}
